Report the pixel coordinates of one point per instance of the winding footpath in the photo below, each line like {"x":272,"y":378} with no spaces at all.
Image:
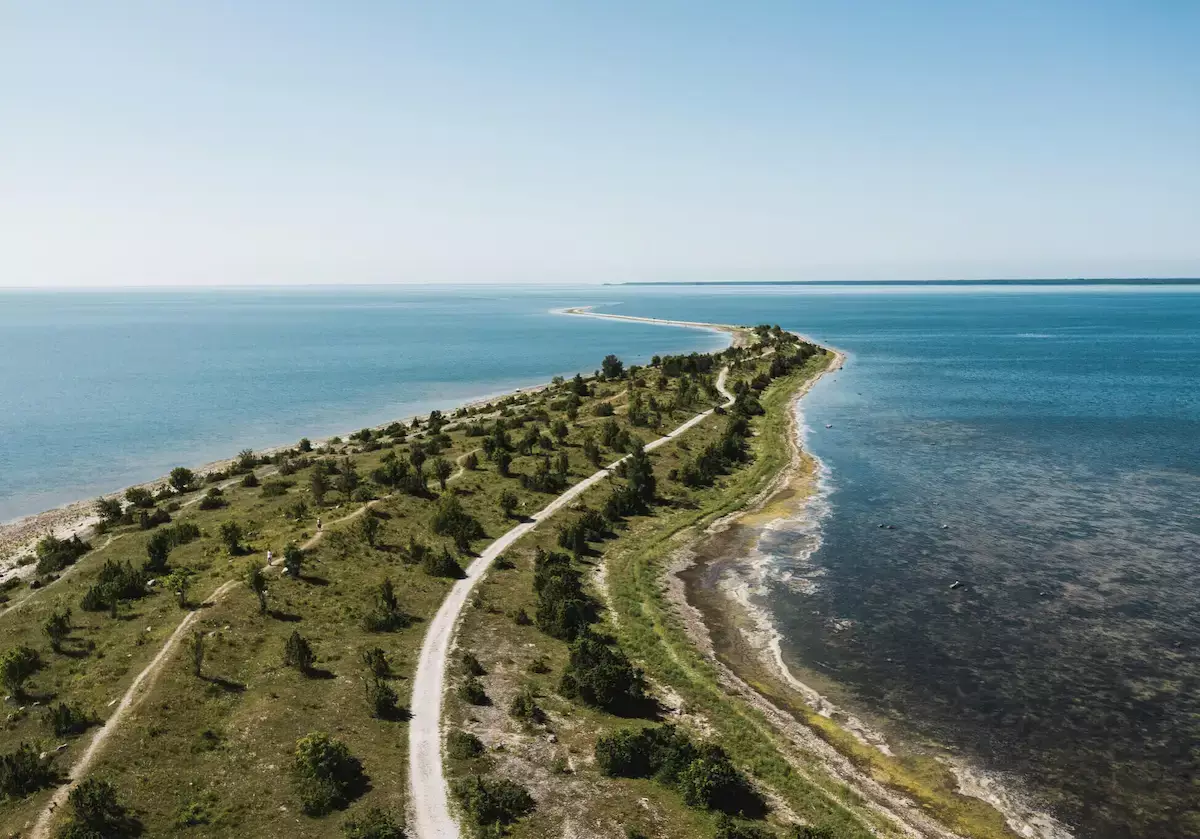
{"x":429,"y":801}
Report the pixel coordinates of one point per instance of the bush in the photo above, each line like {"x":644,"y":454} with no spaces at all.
{"x":165,"y":540}
{"x":604,"y":409}
{"x":275,"y":489}
{"x":386,"y":614}
{"x":470,"y":664}
{"x":117,"y":581}
{"x":564,"y":610}
{"x":376,"y":662}
{"x":472,"y":691}
{"x":711,"y":781}
{"x":524,"y":706}
{"x":182,"y":479}
{"x":373,"y":823}
{"x":23,"y":772}
{"x":490,"y":802}
{"x":325,"y":775}
{"x":96,"y":813}
{"x":214,"y":499}
{"x":67,"y":719}
{"x":450,"y":519}
{"x":250,"y":481}
{"x":57,"y":627}
{"x":462,"y":745}
{"x":599,"y":675}
{"x":442,"y":565}
{"x":381,"y":699}
{"x":53,"y":555}
{"x":298,"y":653}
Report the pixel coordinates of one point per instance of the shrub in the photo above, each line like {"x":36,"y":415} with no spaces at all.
{"x":325,"y":775}
{"x":96,"y":812}
{"x":490,"y":802}
{"x":231,"y":535}
{"x":470,"y":664}
{"x":67,"y":719}
{"x":164,"y":541}
{"x":462,"y":745}
{"x":604,"y":409}
{"x":250,"y":481}
{"x":182,"y":479}
{"x":524,"y":706}
{"x":376,"y":662}
{"x":472,"y":691}
{"x":109,"y":510}
{"x":471,"y":462}
{"x":386,"y":614}
{"x":275,"y":489}
{"x":564,"y":610}
{"x":57,"y":627}
{"x":373,"y":823}
{"x":54,"y":554}
{"x":117,"y":581}
{"x":711,"y":781}
{"x":293,"y":560}
{"x":442,"y":565}
{"x":214,"y":499}
{"x":599,"y":675}
{"x":298,"y":653}
{"x":22,"y":772}
{"x":381,"y":699}
{"x":450,"y":519}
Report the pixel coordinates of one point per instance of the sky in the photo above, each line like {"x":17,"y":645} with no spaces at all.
{"x":233,"y":143}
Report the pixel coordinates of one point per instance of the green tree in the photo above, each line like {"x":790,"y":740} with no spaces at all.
{"x":109,"y":510}
{"x":508,"y":502}
{"x":612,"y":367}
{"x":318,"y":485}
{"x":326,"y":776}
{"x":231,"y":535}
{"x":298,"y":653}
{"x":57,"y":627}
{"x":373,"y":823}
{"x":368,"y":526}
{"x":492,"y":802}
{"x":376,"y":662}
{"x":197,"y":650}
{"x":178,"y":581}
{"x":293,"y":560}
{"x":257,"y":583}
{"x":24,"y":771}
{"x":442,"y":470}
{"x":16,"y":666}
{"x":182,"y":479}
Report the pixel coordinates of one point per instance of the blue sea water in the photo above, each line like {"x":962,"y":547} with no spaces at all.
{"x":1055,"y":430}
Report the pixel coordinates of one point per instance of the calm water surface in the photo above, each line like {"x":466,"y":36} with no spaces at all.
{"x":1056,"y":433}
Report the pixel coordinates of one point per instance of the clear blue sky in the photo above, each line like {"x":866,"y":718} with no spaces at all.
{"x":151,"y":143}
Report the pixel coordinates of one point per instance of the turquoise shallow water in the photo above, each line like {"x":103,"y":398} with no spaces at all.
{"x":1056,"y":432}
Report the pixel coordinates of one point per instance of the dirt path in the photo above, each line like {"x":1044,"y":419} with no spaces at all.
{"x":145,"y":679}
{"x":429,"y":804}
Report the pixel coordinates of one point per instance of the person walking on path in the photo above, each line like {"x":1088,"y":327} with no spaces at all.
{"x":318,"y":524}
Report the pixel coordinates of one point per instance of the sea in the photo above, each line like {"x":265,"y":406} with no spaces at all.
{"x":1003,"y":562}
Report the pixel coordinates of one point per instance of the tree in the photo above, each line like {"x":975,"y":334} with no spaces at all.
{"x":381,"y":699}
{"x":97,"y":813}
{"x":57,"y":627}
{"x":503,"y":463}
{"x":612,"y":367}
{"x":599,"y":675}
{"x":24,"y":771}
{"x":179,"y":581}
{"x":197,"y":648}
{"x":385,"y":614}
{"x":293,"y":559}
{"x":369,"y":526}
{"x":298,"y":653}
{"x":325,"y":775}
{"x":376,"y":662}
{"x":373,"y":823}
{"x":305,"y":445}
{"x":16,"y":666}
{"x":442,"y":470}
{"x":257,"y":583}
{"x":641,"y":475}
{"x":231,"y":535}
{"x":560,"y":430}
{"x":492,"y":802}
{"x":508,"y":502}
{"x":109,"y":510}
{"x":450,"y":519}
{"x":318,"y":484}
{"x":182,"y":479}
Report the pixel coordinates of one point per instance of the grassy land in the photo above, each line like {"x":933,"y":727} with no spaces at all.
{"x":209,"y":756}
{"x":556,"y":759}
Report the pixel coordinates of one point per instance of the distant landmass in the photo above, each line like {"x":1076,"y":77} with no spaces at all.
{"x":1075,"y":281}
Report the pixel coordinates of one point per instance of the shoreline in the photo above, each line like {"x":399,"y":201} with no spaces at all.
{"x":77,"y":518}
{"x":714,"y":603}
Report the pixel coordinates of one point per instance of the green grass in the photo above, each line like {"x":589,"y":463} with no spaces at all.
{"x":647,"y":629}
{"x":214,"y":751}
